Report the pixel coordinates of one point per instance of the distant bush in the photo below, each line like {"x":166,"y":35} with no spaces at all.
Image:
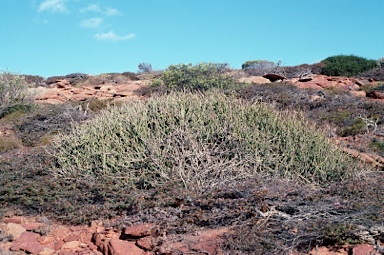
{"x":258,"y":64}
{"x":259,"y":67}
{"x":145,"y":68}
{"x":380,"y":63}
{"x":343,"y":65}
{"x":201,"y":77}
{"x":196,"y":141}
{"x":13,"y":93}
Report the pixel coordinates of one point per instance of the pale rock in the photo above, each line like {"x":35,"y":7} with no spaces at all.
{"x":47,"y":251}
{"x":255,"y":80}
{"x":358,"y":93}
{"x":15,"y":230}
{"x":71,"y":245}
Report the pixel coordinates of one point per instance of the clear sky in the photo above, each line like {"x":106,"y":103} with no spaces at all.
{"x":58,"y":37}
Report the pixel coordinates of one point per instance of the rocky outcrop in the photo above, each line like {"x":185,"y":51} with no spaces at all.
{"x":73,"y":78}
{"x":319,"y":82}
{"x":96,"y":239}
{"x":62,"y":91}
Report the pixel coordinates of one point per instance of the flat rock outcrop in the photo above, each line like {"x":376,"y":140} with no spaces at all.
{"x":62,"y":91}
{"x":46,"y":238}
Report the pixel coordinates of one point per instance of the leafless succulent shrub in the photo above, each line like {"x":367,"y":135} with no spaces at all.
{"x":380,"y":63}
{"x":13,"y":92}
{"x":145,"y":68}
{"x":196,"y":140}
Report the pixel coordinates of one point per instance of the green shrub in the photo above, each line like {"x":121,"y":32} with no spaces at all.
{"x":201,"y":77}
{"x":337,"y":117}
{"x":343,"y":65}
{"x":196,"y":140}
{"x":377,"y":146}
{"x":14,"y":93}
{"x":352,"y":127}
{"x":258,"y":64}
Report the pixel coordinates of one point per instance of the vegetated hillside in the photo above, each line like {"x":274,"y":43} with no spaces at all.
{"x":204,"y":151}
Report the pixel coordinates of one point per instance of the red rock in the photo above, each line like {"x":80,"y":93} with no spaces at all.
{"x":129,"y":87}
{"x":60,"y":232}
{"x":28,"y":242}
{"x":140,"y":230}
{"x":96,"y":223}
{"x":358,"y":93}
{"x":16,"y":220}
{"x":81,"y":97}
{"x":92,"y":246}
{"x":31,"y":225}
{"x":363,"y":249}
{"x":120,"y":247}
{"x":123,"y":94}
{"x":208,"y":241}
{"x":47,"y":251}
{"x":71,"y":238}
{"x":46,"y":240}
{"x":58,"y":245}
{"x":71,"y":245}
{"x":97,"y":239}
{"x":145,"y":243}
{"x":308,"y":85}
{"x":376,"y":95}
{"x":85,"y":237}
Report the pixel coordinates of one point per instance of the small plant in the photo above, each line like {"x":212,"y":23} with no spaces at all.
{"x":337,"y":117}
{"x":352,"y":127}
{"x":343,"y":65}
{"x":339,"y":234}
{"x":9,"y":143}
{"x":377,"y":146}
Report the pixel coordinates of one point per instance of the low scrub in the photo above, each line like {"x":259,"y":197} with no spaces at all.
{"x":8,"y":143}
{"x":351,"y":65}
{"x":200,"y":77}
{"x":196,"y":141}
{"x":13,"y":93}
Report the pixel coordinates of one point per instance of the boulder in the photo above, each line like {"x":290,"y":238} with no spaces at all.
{"x":141,"y":230}
{"x":274,"y":77}
{"x":28,"y":242}
{"x":255,"y":80}
{"x":363,"y":249}
{"x":358,"y":93}
{"x":121,"y":247}
{"x":376,"y":94}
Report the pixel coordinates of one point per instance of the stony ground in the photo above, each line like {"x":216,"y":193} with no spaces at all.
{"x":211,"y":223}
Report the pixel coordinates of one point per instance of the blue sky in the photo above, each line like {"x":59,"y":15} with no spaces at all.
{"x":58,"y":37}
